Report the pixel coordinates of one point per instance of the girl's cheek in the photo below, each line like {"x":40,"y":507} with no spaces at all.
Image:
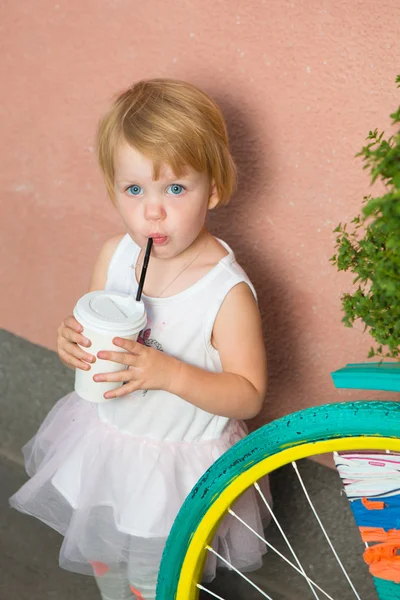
{"x":129,"y":208}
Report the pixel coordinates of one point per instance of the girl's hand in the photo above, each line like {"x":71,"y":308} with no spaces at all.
{"x":68,"y":338}
{"x":148,"y":368}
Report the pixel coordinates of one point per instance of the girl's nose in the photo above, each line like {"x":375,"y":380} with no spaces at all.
{"x":154,"y":210}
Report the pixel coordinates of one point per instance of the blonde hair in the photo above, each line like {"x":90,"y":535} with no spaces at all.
{"x":170,"y":122}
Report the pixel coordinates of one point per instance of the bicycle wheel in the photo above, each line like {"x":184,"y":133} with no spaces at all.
{"x":348,"y":426}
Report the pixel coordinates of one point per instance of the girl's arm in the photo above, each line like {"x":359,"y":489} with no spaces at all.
{"x":240,"y":389}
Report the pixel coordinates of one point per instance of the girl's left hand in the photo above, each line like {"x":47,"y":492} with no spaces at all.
{"x":148,"y":368}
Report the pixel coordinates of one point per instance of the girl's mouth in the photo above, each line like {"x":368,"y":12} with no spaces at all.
{"x":159,"y":240}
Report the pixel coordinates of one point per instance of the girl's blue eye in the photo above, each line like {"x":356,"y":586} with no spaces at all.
{"x":176,"y":189}
{"x":134,"y":190}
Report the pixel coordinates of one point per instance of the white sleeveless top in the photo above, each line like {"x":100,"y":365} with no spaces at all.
{"x":180,"y":325}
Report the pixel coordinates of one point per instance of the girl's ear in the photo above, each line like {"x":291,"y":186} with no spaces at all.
{"x":213,"y":198}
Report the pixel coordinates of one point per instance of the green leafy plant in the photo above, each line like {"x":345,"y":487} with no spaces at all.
{"x":370,"y":248}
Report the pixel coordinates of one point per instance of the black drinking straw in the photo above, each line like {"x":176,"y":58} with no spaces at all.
{"x":144,"y":269}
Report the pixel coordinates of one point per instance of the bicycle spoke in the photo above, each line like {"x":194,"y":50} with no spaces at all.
{"x":239,"y":572}
{"x":285,"y":538}
{"x":294,"y":465}
{"x":209,"y":592}
{"x":302,"y":573}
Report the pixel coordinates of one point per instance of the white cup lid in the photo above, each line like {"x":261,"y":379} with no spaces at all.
{"x":111,"y":312}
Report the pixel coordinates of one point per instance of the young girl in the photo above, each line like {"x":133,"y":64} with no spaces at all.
{"x":111,"y":477}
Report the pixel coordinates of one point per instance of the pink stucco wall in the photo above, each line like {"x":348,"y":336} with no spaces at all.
{"x":301,"y":83}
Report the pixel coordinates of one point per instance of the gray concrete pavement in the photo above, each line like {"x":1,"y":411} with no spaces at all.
{"x":31,"y":380}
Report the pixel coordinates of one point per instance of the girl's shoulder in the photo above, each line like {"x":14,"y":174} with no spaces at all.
{"x":217,"y":252}
{"x":225,"y":257}
{"x":112,"y":244}
{"x":107,"y":252}
{"x":219,"y":249}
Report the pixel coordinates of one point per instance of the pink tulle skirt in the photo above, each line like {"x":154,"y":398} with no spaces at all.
{"x":114,"y":496}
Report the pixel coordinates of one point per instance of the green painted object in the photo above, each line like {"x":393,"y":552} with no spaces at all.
{"x":383,"y":376}
{"x":387,"y":590}
{"x":324,"y":422}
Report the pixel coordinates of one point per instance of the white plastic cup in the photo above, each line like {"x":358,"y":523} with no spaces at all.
{"x":104,"y":316}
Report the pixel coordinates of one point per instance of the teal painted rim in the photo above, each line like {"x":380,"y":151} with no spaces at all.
{"x":322,"y":423}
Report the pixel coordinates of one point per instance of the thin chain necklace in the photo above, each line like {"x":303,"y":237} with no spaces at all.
{"x":180,"y":272}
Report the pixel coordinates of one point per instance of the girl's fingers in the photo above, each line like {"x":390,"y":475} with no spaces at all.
{"x":129,"y":345}
{"x":72,"y":323}
{"x":122,"y":391}
{"x":124,"y":358}
{"x":74,"y":350}
{"x":77,"y":338}
{"x":125,"y":375}
{"x":71,"y":361}
{"x":83,"y":341}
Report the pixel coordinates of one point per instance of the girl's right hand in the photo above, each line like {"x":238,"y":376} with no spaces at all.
{"x":68,"y":337}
